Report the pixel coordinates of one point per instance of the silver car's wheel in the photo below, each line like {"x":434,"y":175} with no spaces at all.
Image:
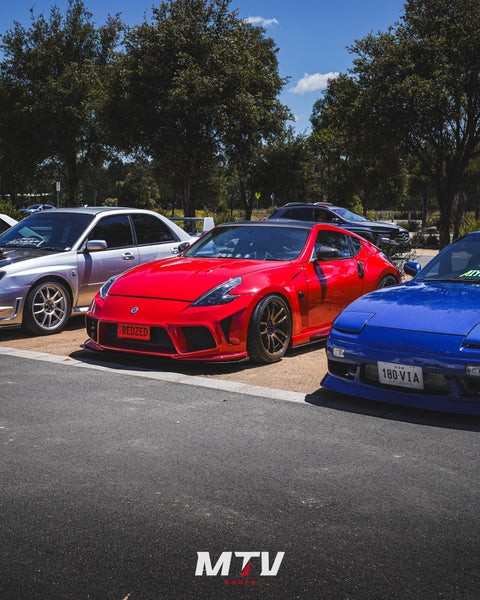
{"x":47,"y":308}
{"x":270,"y":330}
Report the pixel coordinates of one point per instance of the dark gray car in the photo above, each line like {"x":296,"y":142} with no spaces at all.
{"x":388,"y":236}
{"x":53,"y":262}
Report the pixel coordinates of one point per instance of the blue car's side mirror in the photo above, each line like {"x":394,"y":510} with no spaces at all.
{"x":412,"y":268}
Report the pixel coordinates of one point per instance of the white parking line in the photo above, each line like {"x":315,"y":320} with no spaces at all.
{"x":216,"y":384}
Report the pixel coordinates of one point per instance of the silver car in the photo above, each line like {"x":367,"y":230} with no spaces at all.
{"x":53,"y":262}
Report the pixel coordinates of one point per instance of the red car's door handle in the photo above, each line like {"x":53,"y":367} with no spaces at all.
{"x":360,"y":269}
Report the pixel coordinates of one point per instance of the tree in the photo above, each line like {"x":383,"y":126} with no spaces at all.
{"x":359,"y":161}
{"x":420,"y":84}
{"x":193,"y":85}
{"x":257,"y":117}
{"x":22,"y":143}
{"x":59,"y":64}
{"x":286,"y":169}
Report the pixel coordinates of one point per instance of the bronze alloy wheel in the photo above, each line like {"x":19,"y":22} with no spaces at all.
{"x":387,"y":281}
{"x":270,"y":330}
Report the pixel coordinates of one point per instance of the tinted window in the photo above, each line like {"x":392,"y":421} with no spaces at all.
{"x":151,"y":230}
{"x":301,"y":213}
{"x":322,"y":216}
{"x":3,"y":226}
{"x":115,"y":230}
{"x":334,"y":239}
{"x":356,"y":243}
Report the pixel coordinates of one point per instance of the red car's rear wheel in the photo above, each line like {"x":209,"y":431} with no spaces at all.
{"x":387,"y":281}
{"x":269,"y":330}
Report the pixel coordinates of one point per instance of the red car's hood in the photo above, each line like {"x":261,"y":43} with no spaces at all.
{"x":183,"y":278}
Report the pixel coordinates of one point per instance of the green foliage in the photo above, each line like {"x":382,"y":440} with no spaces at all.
{"x":56,"y":67}
{"x":195,"y":84}
{"x":418,"y":83}
{"x":286,"y":169}
{"x":469,"y":224}
{"x":7,"y":208}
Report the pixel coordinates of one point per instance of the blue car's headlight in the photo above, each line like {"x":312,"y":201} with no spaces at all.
{"x":103,"y":291}
{"x":220,"y":294}
{"x":351,"y":321}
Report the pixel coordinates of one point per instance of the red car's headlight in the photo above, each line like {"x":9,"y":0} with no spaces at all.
{"x":220,"y":294}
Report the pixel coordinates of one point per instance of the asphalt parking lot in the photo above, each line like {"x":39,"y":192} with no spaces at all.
{"x":113,"y":479}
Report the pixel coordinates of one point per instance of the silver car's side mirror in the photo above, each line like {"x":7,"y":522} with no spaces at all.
{"x":95,"y":245}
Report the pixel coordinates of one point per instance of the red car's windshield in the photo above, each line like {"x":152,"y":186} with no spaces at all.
{"x":251,"y":242}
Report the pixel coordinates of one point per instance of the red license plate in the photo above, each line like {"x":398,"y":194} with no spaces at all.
{"x":134,"y":332}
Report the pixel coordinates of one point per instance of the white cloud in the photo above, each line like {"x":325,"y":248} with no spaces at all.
{"x":311,"y":83}
{"x":261,"y":21}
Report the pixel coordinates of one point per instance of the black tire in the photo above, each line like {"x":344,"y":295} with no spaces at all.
{"x":269,"y":330}
{"x":47,"y":308}
{"x":387,"y":281}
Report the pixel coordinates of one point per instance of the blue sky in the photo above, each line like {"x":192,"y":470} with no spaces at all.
{"x":312,"y":35}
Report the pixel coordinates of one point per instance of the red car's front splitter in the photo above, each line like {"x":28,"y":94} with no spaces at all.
{"x":175,"y":330}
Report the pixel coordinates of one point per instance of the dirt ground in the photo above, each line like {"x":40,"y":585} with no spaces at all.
{"x":299,"y":371}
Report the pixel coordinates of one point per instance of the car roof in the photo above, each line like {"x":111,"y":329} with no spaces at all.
{"x":95,"y":210}
{"x":320,"y":205}
{"x":283,"y":223}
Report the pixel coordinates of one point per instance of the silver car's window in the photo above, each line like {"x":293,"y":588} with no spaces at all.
{"x":151,"y":230}
{"x":59,"y":231}
{"x":115,"y":230}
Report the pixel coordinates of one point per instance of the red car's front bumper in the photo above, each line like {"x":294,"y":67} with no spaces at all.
{"x":177,"y":331}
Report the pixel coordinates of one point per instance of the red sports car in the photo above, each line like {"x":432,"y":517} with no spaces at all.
{"x":250,"y":289}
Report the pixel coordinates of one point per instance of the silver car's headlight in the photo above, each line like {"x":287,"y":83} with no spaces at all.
{"x":220,"y":294}
{"x":103,"y":291}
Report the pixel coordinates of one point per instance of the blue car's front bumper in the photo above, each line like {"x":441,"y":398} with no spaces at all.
{"x":443,"y":360}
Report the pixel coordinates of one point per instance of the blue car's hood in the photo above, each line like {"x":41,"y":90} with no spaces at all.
{"x":433,"y":307}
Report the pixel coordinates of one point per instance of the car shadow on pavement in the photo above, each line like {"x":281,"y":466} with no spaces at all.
{"x":186,"y":367}
{"x":194,"y":368}
{"x":341,"y":402}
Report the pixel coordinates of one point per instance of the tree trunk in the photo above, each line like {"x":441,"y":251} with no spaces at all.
{"x":425,"y":204}
{"x":445,"y":205}
{"x":245,"y":201}
{"x":188,"y":197}
{"x":458,"y":213}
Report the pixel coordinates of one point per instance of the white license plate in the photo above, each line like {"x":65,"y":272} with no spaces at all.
{"x":400,"y":375}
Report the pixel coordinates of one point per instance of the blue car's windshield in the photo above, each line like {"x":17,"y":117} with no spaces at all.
{"x":459,"y":262}
{"x":46,"y":230}
{"x":251,"y":242}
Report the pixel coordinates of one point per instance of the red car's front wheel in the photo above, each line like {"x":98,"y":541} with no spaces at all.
{"x":269,"y":330}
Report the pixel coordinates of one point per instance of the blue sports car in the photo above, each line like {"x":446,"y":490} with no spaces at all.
{"x":415,"y":344}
